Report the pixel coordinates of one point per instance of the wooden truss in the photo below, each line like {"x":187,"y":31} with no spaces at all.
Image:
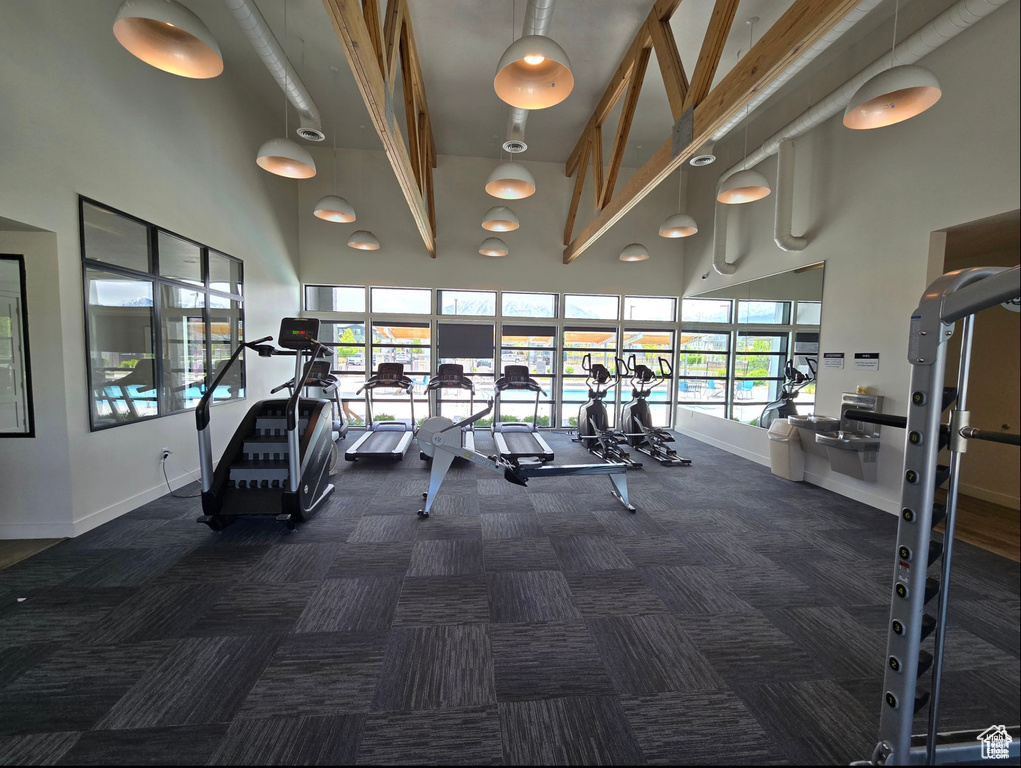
{"x":372,"y":47}
{"x":804,"y":23}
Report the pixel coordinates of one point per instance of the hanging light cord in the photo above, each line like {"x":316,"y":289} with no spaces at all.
{"x":893,"y":50}
{"x":334,"y":129}
{"x":287,"y":73}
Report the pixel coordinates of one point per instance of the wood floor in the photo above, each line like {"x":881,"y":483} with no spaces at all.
{"x":16,"y":550}
{"x":990,"y":526}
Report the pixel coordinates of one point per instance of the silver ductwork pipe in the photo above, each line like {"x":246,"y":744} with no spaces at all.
{"x":720,"y":263}
{"x":254,"y":26}
{"x":538,"y":16}
{"x":784,"y":217}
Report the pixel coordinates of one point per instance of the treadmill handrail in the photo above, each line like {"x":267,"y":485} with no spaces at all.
{"x":531,"y":384}
{"x":374,"y":382}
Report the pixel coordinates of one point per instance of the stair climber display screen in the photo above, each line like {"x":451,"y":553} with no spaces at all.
{"x":277,"y":463}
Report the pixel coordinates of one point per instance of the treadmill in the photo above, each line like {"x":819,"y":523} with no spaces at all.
{"x":518,"y":439}
{"x":451,"y":376}
{"x":384,"y":439}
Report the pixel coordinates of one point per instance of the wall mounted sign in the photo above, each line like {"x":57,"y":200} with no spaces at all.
{"x":866,"y":361}
{"x":832,"y":359}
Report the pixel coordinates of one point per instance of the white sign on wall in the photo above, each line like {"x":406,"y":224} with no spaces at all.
{"x":866,"y":361}
{"x":832,"y":359}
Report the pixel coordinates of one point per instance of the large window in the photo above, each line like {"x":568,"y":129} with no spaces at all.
{"x":702,"y":370}
{"x":654,"y":348}
{"x":528,"y":304}
{"x":409,"y":344}
{"x":600,"y":345}
{"x":481,"y":303}
{"x":163,"y":314}
{"x":534,"y":346}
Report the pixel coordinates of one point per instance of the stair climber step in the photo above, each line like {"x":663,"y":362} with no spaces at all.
{"x":259,"y":474}
{"x":942,"y":475}
{"x":276,"y":426}
{"x":924,"y":662}
{"x":939,"y":513}
{"x":928,"y":625}
{"x":266,"y":447}
{"x":921,"y":700}
{"x":935,"y":550}
{"x":931,"y":588}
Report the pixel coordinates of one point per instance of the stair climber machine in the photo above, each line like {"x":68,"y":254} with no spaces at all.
{"x":636,"y":416}
{"x":385,"y":439}
{"x":594,"y":431}
{"x":439,"y":437}
{"x":451,"y":376}
{"x":277,"y":462}
{"x":794,"y":381}
{"x":517,"y":440}
{"x":319,"y":375}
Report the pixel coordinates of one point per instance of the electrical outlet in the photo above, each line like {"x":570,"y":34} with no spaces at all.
{"x":164,"y":454}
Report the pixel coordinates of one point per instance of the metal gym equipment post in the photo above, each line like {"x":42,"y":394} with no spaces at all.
{"x":954,"y":296}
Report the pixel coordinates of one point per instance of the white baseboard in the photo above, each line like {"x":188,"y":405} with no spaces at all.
{"x":724,"y":446}
{"x":13,"y":531}
{"x":994,"y":497}
{"x":96,"y":519}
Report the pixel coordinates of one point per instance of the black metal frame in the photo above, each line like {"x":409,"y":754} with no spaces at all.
{"x":157,"y":281}
{"x":29,"y":406}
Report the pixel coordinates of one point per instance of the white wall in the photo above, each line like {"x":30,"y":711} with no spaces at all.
{"x":535,"y":262}
{"x":82,"y":116}
{"x":868,"y":201}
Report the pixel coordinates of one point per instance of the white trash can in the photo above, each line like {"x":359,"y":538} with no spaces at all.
{"x":786,"y":457}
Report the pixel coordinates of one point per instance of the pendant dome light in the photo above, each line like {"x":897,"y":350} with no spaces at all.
{"x":534,"y":73}
{"x":500,"y":218}
{"x":168,"y":36}
{"x":493,"y":246}
{"x":284,"y":157}
{"x":746,"y":185}
{"x":680,"y":224}
{"x":894,"y":95}
{"x":510,"y":181}
{"x":333,"y":207}
{"x":634,"y":252}
{"x":363,"y":239}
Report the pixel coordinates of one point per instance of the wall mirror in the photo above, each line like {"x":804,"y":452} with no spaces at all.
{"x":15,"y":376}
{"x":737,"y":342}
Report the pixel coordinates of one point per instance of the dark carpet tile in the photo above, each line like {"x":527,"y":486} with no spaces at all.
{"x":705,"y":728}
{"x":520,"y":555}
{"x":372,"y":559}
{"x":385,"y":528}
{"x":749,"y":647}
{"x":858,"y":582}
{"x":562,"y":486}
{"x":763,"y":586}
{"x":978,"y":698}
{"x":693,"y":590}
{"x":517,"y":597}
{"x":432,"y":600}
{"x":441,"y":667}
{"x":253,"y":609}
{"x":511,"y":525}
{"x":445,"y":557}
{"x":547,"y":660}
{"x":996,"y":623}
{"x":318,"y":674}
{"x":508,"y":493}
{"x":201,"y":681}
{"x":547,"y":502}
{"x":15,"y":659}
{"x":576,"y":523}
{"x":291,"y":563}
{"x":177,"y":745}
{"x":450,"y":527}
{"x":453,"y":505}
{"x":213,"y":564}
{"x":439,"y":737}
{"x":57,"y":565}
{"x":619,"y":523}
{"x":613,"y":593}
{"x":300,"y":740}
{"x":248,"y":531}
{"x":154,"y":612}
{"x":834,"y":639}
{"x":352,"y":604}
{"x":59,"y":614}
{"x":383,"y":505}
{"x":817,"y":722}
{"x":717,"y":548}
{"x":986,"y":584}
{"x":122,"y":533}
{"x":37,"y":748}
{"x":964,"y":651}
{"x":589,"y":553}
{"x":652,"y":654}
{"x":648,"y":550}
{"x":506,"y":503}
{"x":130,"y":567}
{"x":71,"y":690}
{"x":587,"y":730}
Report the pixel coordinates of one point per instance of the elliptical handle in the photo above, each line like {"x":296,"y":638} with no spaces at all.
{"x":669,"y":369}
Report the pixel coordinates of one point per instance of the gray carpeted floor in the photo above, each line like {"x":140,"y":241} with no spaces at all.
{"x":736,"y":618}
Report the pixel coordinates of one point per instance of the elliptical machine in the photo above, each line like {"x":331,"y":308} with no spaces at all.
{"x":277,"y":462}
{"x":318,"y":374}
{"x":794,"y":381}
{"x":594,"y":431}
{"x":636,"y":416}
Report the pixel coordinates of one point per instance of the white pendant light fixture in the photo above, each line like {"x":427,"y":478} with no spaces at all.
{"x":746,"y":185}
{"x":363,"y":239}
{"x":894,"y":95}
{"x":284,"y":157}
{"x":168,"y":36}
{"x":534,"y":73}
{"x":500,"y":218}
{"x":493,"y":246}
{"x":634,"y":252}
{"x":333,"y":207}
{"x":680,"y":224}
{"x":510,"y":181}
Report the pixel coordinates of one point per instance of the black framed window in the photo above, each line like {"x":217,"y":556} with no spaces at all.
{"x":162,"y":314}
{"x":17,"y":418}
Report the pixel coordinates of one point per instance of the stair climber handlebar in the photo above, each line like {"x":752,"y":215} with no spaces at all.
{"x":202,"y":409}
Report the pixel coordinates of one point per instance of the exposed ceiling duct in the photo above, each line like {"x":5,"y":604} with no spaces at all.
{"x":538,"y":15}
{"x":956,"y":19}
{"x":254,"y":26}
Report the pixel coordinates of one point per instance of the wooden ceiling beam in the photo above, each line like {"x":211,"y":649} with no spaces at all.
{"x":712,"y":49}
{"x":674,"y":79}
{"x":579,"y":183}
{"x":627,"y":115}
{"x":370,"y":10}
{"x":800,"y":27}
{"x":356,"y":40}
{"x":395,"y":10}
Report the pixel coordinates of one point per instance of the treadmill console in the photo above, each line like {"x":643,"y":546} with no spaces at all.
{"x":450,"y":372}
{"x":516,"y":374}
{"x":390,"y":374}
{"x":298,"y":333}
{"x":319,"y":370}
